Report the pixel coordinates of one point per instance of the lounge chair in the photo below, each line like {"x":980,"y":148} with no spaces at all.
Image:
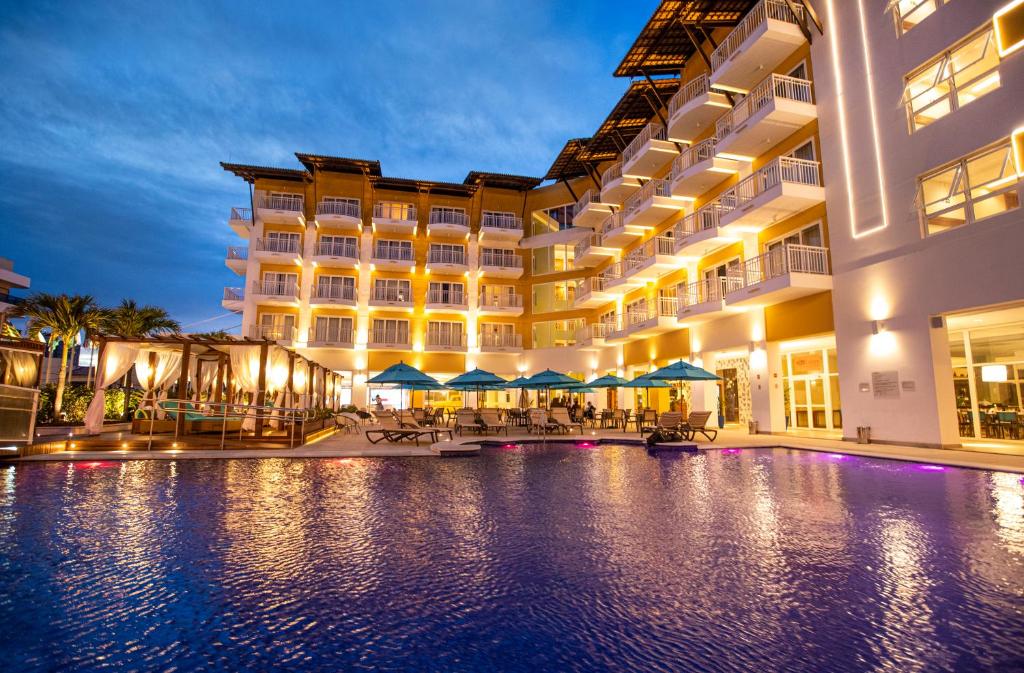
{"x":465,"y":419}
{"x":391,"y":431}
{"x":560,"y":416}
{"x":537,"y":420}
{"x":670,"y":420}
{"x":489,"y":417}
{"x":410,"y":423}
{"x":698,"y":423}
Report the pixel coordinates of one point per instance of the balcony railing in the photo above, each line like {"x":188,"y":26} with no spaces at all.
{"x":695,"y":87}
{"x":446,"y":297}
{"x":501,"y":300}
{"x":492,"y":340}
{"x":449,"y":217}
{"x":501,"y":258}
{"x":701,"y":291}
{"x":239,"y":252}
{"x":234,"y":294}
{"x":779,"y":261}
{"x":588,"y":197}
{"x":653,"y":131}
{"x":338,"y":249}
{"x":706,"y":217}
{"x":325,"y":336}
{"x":587,"y":286}
{"x":594,"y":240}
{"x":446,"y":339}
{"x":613,"y":172}
{"x":391,"y":294}
{"x":337,"y":292}
{"x":242,"y":214}
{"x":283,"y":245}
{"x":595,"y":330}
{"x":292,"y":202}
{"x":693,"y":155}
{"x":772,"y":87}
{"x":444,"y":256}
{"x":273,"y":288}
{"x":506,"y":221}
{"x":393,"y":254}
{"x":772,"y":174}
{"x":766,"y":9}
{"x":389,"y":337}
{"x":342,"y":208}
{"x":651,"y":189}
{"x":273,"y":332}
{"x":613,"y":272}
{"x":395,"y":211}
{"x":613,"y":221}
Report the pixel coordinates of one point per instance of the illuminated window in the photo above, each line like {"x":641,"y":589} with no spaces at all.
{"x":1009,"y":27}
{"x":556,"y":333}
{"x":909,"y":13}
{"x":388,"y":331}
{"x":975,"y":187}
{"x":953,"y":79}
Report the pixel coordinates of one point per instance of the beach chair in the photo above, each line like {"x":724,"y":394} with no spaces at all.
{"x":670,"y":420}
{"x":390,"y":430}
{"x":537,"y":420}
{"x":492,"y":421}
{"x":560,"y":416}
{"x":410,"y":423}
{"x":465,"y":419}
{"x":696,"y":424}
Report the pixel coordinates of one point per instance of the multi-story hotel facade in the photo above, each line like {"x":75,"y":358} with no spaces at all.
{"x":817,"y":201}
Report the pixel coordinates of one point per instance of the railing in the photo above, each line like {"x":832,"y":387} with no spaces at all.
{"x":651,"y":189}
{"x":507,"y":221}
{"x":393,"y":254}
{"x":492,"y":340}
{"x":595,"y":330}
{"x":772,"y":87}
{"x":779,"y":261}
{"x":448,"y":297}
{"x":342,"y":208}
{"x":653,"y":131}
{"x":239,"y":252}
{"x":501,"y":300}
{"x":331,"y":291}
{"x":501,"y":258}
{"x":446,"y":339}
{"x":588,"y":197}
{"x":613,"y":221}
{"x":777,"y":171}
{"x":613,"y":172}
{"x":777,"y":10}
{"x":449,"y":217}
{"x":338,"y":249}
{"x":242,"y":214}
{"x":395,"y":211}
{"x":273,"y":288}
{"x":342,"y":336}
{"x":697,"y":86}
{"x":595,"y":240}
{"x":613,"y":272}
{"x":234,"y":294}
{"x":446,"y":256}
{"x":701,"y":291}
{"x":389,"y":337}
{"x":291,"y":202}
{"x":586,"y":286}
{"x":273,"y":332}
{"x":283,"y":245}
{"x":706,"y":217}
{"x":692,"y":156}
{"x":391,"y":294}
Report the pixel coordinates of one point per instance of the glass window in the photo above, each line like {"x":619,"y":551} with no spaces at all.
{"x":556,"y":333}
{"x":551,"y":219}
{"x":389,"y":249}
{"x":975,"y":187}
{"x":548,"y":297}
{"x":446,"y":293}
{"x":330,"y":329}
{"x":909,"y":13}
{"x":389,"y":331}
{"x":392,"y":289}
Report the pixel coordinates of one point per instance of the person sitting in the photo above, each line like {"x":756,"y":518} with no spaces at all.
{"x":589,"y":412}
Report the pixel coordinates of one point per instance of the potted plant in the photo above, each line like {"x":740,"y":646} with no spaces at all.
{"x":721,"y":416}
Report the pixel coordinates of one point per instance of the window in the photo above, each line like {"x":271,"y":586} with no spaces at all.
{"x":444,"y":333}
{"x":445,"y":253}
{"x":392,"y":289}
{"x":548,"y":297}
{"x":338,"y":246}
{"x":446,"y":293}
{"x":389,"y":331}
{"x":909,"y":13}
{"x":280,"y":284}
{"x":394,"y":210}
{"x":805,"y":152}
{"x":395,"y":250}
{"x":332,"y":330}
{"x":338,"y":205}
{"x":277,"y":241}
{"x":501,"y":335}
{"x":719,"y":277}
{"x":975,"y":187}
{"x":810,"y":236}
{"x":551,"y":219}
{"x":499,"y":257}
{"x":276,"y":326}
{"x":502,"y":296}
{"x":446,"y":215}
{"x":553,"y":259}
{"x":336,"y":287}
{"x":953,"y":79}
{"x":799,"y":72}
{"x":556,"y":333}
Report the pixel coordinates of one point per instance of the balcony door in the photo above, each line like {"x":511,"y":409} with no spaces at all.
{"x":279,"y":241}
{"x":277,"y":326}
{"x":333,"y":330}
{"x":275,"y":282}
{"x":336,"y":287}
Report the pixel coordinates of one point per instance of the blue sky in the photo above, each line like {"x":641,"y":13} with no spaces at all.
{"x":115,"y":116}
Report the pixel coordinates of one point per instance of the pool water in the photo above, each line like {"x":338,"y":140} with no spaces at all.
{"x":555,"y":558}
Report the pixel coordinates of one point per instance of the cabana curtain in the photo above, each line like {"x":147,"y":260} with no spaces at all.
{"x":245,"y":366}
{"x":19,"y":368}
{"x":117,"y":360}
{"x":166,"y":365}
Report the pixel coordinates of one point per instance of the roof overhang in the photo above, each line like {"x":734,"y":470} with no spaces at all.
{"x":253,"y":173}
{"x":339,"y":164}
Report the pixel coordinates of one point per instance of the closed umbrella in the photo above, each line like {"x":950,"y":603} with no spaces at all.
{"x":404,"y":376}
{"x":524,"y":399}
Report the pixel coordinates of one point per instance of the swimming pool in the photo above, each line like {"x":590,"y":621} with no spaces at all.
{"x":524,"y":559}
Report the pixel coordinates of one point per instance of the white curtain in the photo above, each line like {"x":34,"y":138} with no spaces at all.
{"x":300,"y":375}
{"x":153,"y":377}
{"x":117,"y":360}
{"x":245,"y":367}
{"x":19,"y":368}
{"x":207,"y":375}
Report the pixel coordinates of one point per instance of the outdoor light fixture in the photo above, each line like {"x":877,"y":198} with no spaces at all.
{"x":877,"y":327}
{"x":993,"y":373}
{"x":1017,"y":143}
{"x":1008,"y":28}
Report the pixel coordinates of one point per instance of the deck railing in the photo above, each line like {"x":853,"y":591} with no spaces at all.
{"x":701,"y":291}
{"x":500,"y":300}
{"x":493,"y":340}
{"x":290,"y":202}
{"x":389,"y":337}
{"x":403,"y":212}
{"x":273,"y":332}
{"x":772,"y":87}
{"x":392,"y":295}
{"x":650,"y":189}
{"x":653,"y":131}
{"x":455,"y":217}
{"x":613,"y":172}
{"x":587,"y":286}
{"x":347,"y":249}
{"x":393,"y":254}
{"x":693,"y":155}
{"x":234,"y":294}
{"x":448,"y":297}
{"x":697,"y":86}
{"x":275,"y":288}
{"x":283,"y":245}
{"x":589,"y":196}
{"x":337,"y":292}
{"x":613,"y":221}
{"x":341,"y":208}
{"x":242,"y":214}
{"x":325,"y":336}
{"x":508,"y":259}
{"x":779,"y":261}
{"x":777,"y":10}
{"x":446,"y":339}
{"x":446,"y":256}
{"x":772,"y":174}
{"x":594,"y":240}
{"x":505,"y":221}
{"x":239,"y":252}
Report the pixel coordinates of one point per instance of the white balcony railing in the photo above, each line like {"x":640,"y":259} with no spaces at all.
{"x":455,"y":217}
{"x":393,"y":254}
{"x":505,"y":221}
{"x":392,"y":294}
{"x":588,"y":197}
{"x":701,"y":291}
{"x":697,"y":86}
{"x":501,"y":300}
{"x":594,"y":240}
{"x":772,"y":174}
{"x":777,"y":10}
{"x":292,"y":202}
{"x":341,"y":208}
{"x":772,"y":87}
{"x":283,"y":245}
{"x":501,"y":258}
{"x":395,"y":211}
{"x":613,"y":172}
{"x":779,"y":261}
{"x":335,"y":292}
{"x":438,"y":339}
{"x":446,"y":256}
{"x":493,"y":340}
{"x":238,"y":252}
{"x":706,"y":217}
{"x":273,"y":332}
{"x":338,"y":249}
{"x":613,"y":221}
{"x":595,"y":330}
{"x":650,"y":189}
{"x":587,"y":286}
{"x":447,"y":297}
{"x":275,"y":288}
{"x":693,"y":155}
{"x":326,"y":336}
{"x":389,"y":337}
{"x":242,"y":214}
{"x":234,"y":294}
{"x":653,"y":131}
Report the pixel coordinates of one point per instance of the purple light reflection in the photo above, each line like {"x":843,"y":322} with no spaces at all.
{"x":732,"y":451}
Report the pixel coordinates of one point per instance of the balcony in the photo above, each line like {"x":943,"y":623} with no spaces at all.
{"x":237,"y":258}
{"x":702,"y":300}
{"x":648,"y":152}
{"x":343,"y":337}
{"x":500,"y":303}
{"x":280,"y":333}
{"x":447,"y":261}
{"x":651,"y":260}
{"x":591,"y":251}
{"x":343,"y":214}
{"x":501,"y":343}
{"x":393,"y":258}
{"x":500,"y":264}
{"x":763,"y":39}
{"x":333,"y":295}
{"x":388,"y":339}
{"x":278,"y":250}
{"x":616,"y":187}
{"x":591,"y":292}
{"x":694,"y":108}
{"x":282,"y":209}
{"x":638,"y":324}
{"x":389,"y":297}
{"x":699,"y":169}
{"x":651,"y":205}
{"x":773,"y":110}
{"x":446,"y":300}
{"x":699,"y":234}
{"x":240,"y":220}
{"x":592,"y":337}
{"x":394,"y":218}
{"x":781,"y":188}
{"x":275,"y":293}
{"x":619,"y":278}
{"x":781,"y":274}
{"x":234,"y":298}
{"x":445,"y":341}
{"x":498,"y":227}
{"x":589,"y":211}
{"x":447,"y":223}
{"x":336,"y":254}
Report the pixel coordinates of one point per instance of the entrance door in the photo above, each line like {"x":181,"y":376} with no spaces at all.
{"x":729,"y":395}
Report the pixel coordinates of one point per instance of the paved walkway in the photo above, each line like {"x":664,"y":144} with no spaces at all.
{"x":356,"y":446}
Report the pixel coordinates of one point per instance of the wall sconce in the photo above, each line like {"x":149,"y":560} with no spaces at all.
{"x":993,"y":373}
{"x":877,"y":327}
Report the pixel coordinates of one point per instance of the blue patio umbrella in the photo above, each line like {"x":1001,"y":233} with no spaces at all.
{"x":548,"y":379}
{"x":477,"y":380}
{"x":404,"y":376}
{"x":682,"y":371}
{"x":518,"y":383}
{"x":646,"y":382}
{"x":608,"y":381}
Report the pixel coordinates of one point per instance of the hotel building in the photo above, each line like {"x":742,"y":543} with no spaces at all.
{"x":817,"y":200}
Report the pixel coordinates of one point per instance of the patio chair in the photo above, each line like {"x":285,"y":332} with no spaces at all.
{"x":698,"y":423}
{"x":490,"y":418}
{"x":620,"y":418}
{"x":391,"y":431}
{"x":645,"y":418}
{"x":465,"y":419}
{"x":537,"y":420}
{"x":560,"y":416}
{"x":670,"y":420}
{"x":412,"y":424}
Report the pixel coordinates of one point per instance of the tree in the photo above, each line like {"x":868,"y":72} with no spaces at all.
{"x":131,"y":320}
{"x":66,"y":317}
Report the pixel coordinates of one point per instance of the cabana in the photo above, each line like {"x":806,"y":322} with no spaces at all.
{"x":19,"y":390}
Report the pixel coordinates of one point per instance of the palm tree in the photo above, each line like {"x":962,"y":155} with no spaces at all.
{"x":131,"y":320}
{"x":66,"y":317}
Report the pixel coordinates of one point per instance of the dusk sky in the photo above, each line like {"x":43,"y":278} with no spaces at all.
{"x":115,"y":116}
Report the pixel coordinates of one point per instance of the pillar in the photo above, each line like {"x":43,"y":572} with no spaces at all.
{"x":179,"y":423}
